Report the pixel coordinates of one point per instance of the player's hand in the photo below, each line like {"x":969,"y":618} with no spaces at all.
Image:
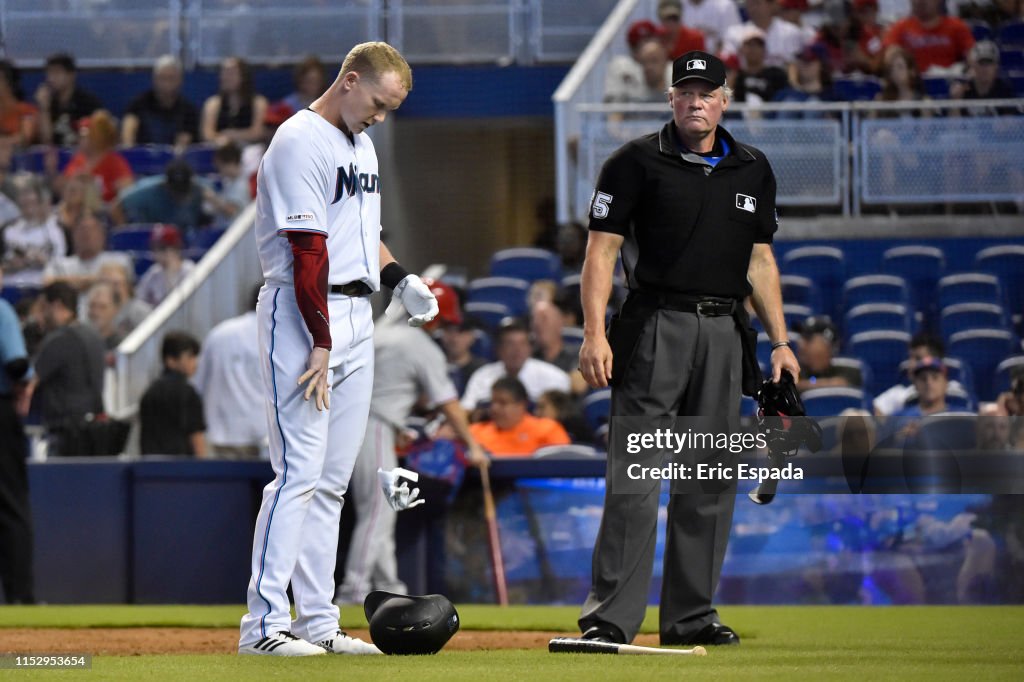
{"x":412,"y":293}
{"x":783,"y":358}
{"x":397,"y":494}
{"x":315,"y":378}
{"x":596,"y":361}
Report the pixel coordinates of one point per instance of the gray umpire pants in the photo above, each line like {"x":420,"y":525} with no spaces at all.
{"x":687,"y":365}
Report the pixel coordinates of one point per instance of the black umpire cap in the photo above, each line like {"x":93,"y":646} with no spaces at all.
{"x":404,"y":624}
{"x":697,"y":64}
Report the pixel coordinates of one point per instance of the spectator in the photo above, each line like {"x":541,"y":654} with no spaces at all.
{"x":757,"y":81}
{"x":236,"y":426}
{"x":819,"y":342}
{"x":69,"y":371}
{"x":572,"y":246}
{"x":310,"y":81}
{"x":679,"y":39}
{"x":104,"y":306}
{"x":80,"y":196}
{"x":97,"y":157}
{"x":782,"y":39}
{"x":161,"y":115}
{"x":513,"y":351}
{"x":33,"y":241}
{"x":132,"y":311}
{"x":933,"y":38}
{"x":19,"y":120}
{"x":236,"y":112}
{"x":901,"y":80}
{"x":793,"y":12}
{"x":512,"y":430}
{"x":1012,"y":402}
{"x":931,"y":382}
{"x":171,"y":412}
{"x":546,"y":327}
{"x":234,"y":194}
{"x":868,"y":32}
{"x":992,"y":429}
{"x":563,"y":408}
{"x":89,"y":239}
{"x":983,"y":81}
{"x":712,"y":18}
{"x":170,"y":267}
{"x":61,"y":102}
{"x":642,"y":76}
{"x":457,"y":341}
{"x":810,"y":80}
{"x":176,"y":197}
{"x":897,"y":397}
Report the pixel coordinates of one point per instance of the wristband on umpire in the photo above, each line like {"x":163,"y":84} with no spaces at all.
{"x":392,"y":274}
{"x":780,"y":344}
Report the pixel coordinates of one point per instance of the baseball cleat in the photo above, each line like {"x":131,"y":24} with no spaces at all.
{"x":342,"y":643}
{"x":281,"y":643}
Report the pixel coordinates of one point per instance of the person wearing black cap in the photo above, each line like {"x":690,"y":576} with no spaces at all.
{"x":175,"y":198}
{"x":692,"y":212}
{"x":819,"y":341}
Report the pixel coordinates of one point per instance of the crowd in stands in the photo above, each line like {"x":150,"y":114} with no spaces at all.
{"x":830,"y":50}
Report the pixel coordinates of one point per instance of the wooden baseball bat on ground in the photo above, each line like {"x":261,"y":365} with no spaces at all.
{"x":493,"y":538}
{"x":573,"y":645}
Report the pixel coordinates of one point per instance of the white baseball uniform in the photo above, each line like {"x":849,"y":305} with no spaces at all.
{"x":313,"y":178}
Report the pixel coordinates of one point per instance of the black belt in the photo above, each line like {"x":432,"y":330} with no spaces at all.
{"x":705,"y":306}
{"x":352,"y":289}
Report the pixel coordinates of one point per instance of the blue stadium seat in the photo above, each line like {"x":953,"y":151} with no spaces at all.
{"x":794,"y":315}
{"x":875,"y":289}
{"x":14,"y":293}
{"x":572,"y":337}
{"x":1011,"y":33}
{"x":143,"y":260}
{"x":526,"y":263}
{"x":508,"y":291}
{"x":596,"y":407}
{"x":969,"y":287}
{"x":150,"y":159}
{"x":831,"y":401}
{"x":1006,"y":262}
{"x":203,"y":238}
{"x":488,"y":314}
{"x":856,"y":88}
{"x":854,"y":363}
{"x":826,"y":266}
{"x":1016,"y":77}
{"x":801,"y":291}
{"x":876,"y":316}
{"x":921,"y":266}
{"x":748,"y":406}
{"x":882,"y":351}
{"x":33,"y":159}
{"x":936,"y":87}
{"x":133,"y":237}
{"x":200,"y":158}
{"x":961,"y":316}
{"x":1006,"y":370}
{"x":983,"y":350}
{"x":979,"y":29}
{"x":1011,"y":59}
{"x":957,"y":398}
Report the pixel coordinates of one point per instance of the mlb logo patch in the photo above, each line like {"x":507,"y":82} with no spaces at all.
{"x":696,"y":65}
{"x":746,"y":203}
{"x":299,"y":217}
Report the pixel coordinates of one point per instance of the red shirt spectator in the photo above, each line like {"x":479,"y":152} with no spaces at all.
{"x":933,"y":39}
{"x":97,"y":157}
{"x":679,"y":39}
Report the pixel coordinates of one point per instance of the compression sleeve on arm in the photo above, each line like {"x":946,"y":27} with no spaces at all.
{"x":310,"y":267}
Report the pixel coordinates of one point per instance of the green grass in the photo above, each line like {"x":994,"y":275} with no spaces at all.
{"x":803,"y":643}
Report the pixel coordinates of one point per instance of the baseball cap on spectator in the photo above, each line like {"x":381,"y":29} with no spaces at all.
{"x":819,"y":324}
{"x":985,"y":51}
{"x":179,"y":177}
{"x":926,"y":364}
{"x":697,"y":64}
{"x":165,"y":237}
{"x":642,"y":30}
{"x":752,"y":33}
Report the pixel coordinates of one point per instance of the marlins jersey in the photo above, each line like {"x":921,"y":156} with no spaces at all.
{"x":321,"y":180}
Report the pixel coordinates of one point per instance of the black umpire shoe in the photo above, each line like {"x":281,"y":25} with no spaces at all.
{"x":714,"y":634}
{"x":605,"y":632}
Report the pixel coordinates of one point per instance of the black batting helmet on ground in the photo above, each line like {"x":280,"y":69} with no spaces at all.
{"x":404,"y":624}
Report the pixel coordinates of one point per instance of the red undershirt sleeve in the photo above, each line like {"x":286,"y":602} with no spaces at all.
{"x":310,"y":267}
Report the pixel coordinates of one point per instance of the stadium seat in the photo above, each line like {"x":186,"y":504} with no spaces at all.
{"x":748,"y":406}
{"x":133,"y":237}
{"x":961,"y":316}
{"x":969,"y":287}
{"x":1016,"y":77}
{"x":856,"y":88}
{"x":527,"y":264}
{"x":882,"y":351}
{"x":203,"y":238}
{"x":1011,"y":59}
{"x":801,"y":291}
{"x":936,"y":87}
{"x":508,"y":291}
{"x":488,"y":314}
{"x":1011,"y":33}
{"x":876,"y":316}
{"x":957,"y":398}
{"x":1006,"y":262}
{"x":150,"y":159}
{"x":597,"y":406}
{"x":854,"y":363}
{"x":1005,"y":372}
{"x":921,"y":266}
{"x":200,"y":158}
{"x":983,"y":350}
{"x":794,"y":315}
{"x":572,"y":337}
{"x":979,"y":29}
{"x":831,"y":401}
{"x":14,"y":293}
{"x":143,"y":260}
{"x":875,"y":289}
{"x":33,"y":159}
{"x":825,"y":265}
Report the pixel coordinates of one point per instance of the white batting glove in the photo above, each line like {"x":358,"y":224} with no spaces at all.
{"x":399,"y":496}
{"x":412,"y":293}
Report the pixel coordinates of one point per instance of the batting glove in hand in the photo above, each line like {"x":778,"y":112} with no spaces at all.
{"x":412,"y":293}
{"x":399,"y":496}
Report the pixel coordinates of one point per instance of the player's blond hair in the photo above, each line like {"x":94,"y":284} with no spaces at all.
{"x":372,"y":60}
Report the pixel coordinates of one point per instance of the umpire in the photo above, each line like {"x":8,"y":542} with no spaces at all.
{"x":692,"y":212}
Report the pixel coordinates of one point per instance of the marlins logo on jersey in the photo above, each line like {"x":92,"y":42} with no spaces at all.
{"x":349,"y":180}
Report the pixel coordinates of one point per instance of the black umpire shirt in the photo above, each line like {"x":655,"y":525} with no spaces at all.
{"x":689,"y":227}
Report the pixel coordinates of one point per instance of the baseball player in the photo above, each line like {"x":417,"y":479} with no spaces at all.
{"x":318,"y":236}
{"x":408,"y":363}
